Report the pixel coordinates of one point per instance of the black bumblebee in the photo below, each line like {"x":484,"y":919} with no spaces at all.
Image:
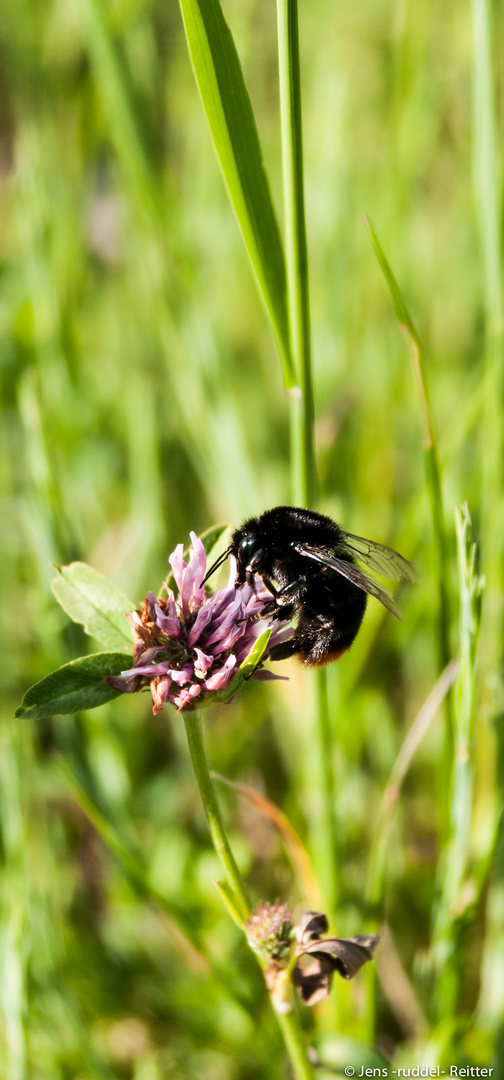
{"x":308,"y":563}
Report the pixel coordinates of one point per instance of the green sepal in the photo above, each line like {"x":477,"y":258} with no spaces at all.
{"x":245,"y":670}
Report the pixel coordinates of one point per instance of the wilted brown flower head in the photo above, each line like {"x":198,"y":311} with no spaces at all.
{"x":320,"y":957}
{"x":300,"y":955}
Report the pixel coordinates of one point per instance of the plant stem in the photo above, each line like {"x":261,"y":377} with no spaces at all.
{"x":211,"y":807}
{"x":304,"y":482}
{"x":289,"y":1022}
{"x":326,"y":860}
{"x":293,"y":1038}
{"x":457,"y":850}
{"x":487,"y":184}
{"x":303,"y":465}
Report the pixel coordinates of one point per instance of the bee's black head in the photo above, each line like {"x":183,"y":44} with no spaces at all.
{"x":247,"y":548}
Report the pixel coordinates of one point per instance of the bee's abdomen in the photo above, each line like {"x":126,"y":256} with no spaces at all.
{"x":329,"y":656}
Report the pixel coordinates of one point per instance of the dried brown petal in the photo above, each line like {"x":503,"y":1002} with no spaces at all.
{"x":313,"y":977}
{"x":346,"y":955}
{"x":320,"y":957}
{"x":311,"y":926}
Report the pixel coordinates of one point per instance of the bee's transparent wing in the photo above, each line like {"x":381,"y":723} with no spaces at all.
{"x":383,"y":560}
{"x":352,"y":573}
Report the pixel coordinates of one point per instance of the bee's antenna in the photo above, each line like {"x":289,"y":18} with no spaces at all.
{"x":222,"y":558}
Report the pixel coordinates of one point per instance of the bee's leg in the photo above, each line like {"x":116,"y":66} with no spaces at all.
{"x":284,"y":650}
{"x":291,"y":593}
{"x":284,"y":600}
{"x":268,"y":611}
{"x":272,"y":609}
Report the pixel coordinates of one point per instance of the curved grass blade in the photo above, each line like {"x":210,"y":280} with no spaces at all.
{"x":432,"y":466}
{"x":229,"y":112}
{"x":73,"y":687}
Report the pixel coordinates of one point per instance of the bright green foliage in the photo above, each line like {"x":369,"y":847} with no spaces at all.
{"x":89,"y":598}
{"x":229,"y":113}
{"x":142,"y":398}
{"x":73,"y":687}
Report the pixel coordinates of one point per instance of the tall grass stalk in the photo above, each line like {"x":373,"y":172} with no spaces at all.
{"x":487,"y":172}
{"x":454,"y":861}
{"x":435,"y":496}
{"x":487,"y":180}
{"x":303,"y":459}
{"x":304,"y":481}
{"x":235,"y":893}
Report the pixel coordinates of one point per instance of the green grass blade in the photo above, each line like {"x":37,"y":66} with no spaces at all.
{"x":487,"y":173}
{"x":229,"y":112}
{"x":455,"y":861}
{"x":303,"y":466}
{"x":432,"y":468}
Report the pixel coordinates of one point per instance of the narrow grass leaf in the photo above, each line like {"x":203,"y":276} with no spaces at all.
{"x":228,"y":898}
{"x":229,"y":112}
{"x":73,"y":687}
{"x":432,"y":467}
{"x":454,"y":864}
{"x":487,"y":171}
{"x":91,"y":599}
{"x":403,"y":315}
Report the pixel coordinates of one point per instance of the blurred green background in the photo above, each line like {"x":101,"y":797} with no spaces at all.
{"x":141,"y":398}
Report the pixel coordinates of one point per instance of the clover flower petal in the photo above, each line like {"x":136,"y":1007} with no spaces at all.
{"x":188,"y":646}
{"x":221,"y":678}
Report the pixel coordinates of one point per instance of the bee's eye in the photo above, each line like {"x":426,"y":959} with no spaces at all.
{"x":247,"y":547}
